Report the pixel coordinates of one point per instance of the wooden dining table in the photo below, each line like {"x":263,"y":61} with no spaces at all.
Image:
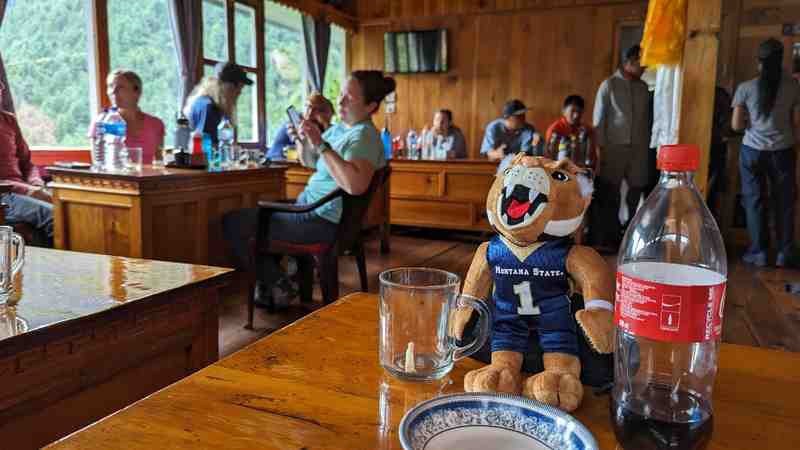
{"x":83,"y":335}
{"x":317,"y":384}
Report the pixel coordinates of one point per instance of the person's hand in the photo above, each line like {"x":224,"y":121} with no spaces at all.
{"x":536,"y":139}
{"x":40,"y":193}
{"x":311,"y":131}
{"x":497,"y":154}
{"x":292,"y":132}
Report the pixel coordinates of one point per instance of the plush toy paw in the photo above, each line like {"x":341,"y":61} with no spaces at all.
{"x":493,"y":379}
{"x":459,"y":319}
{"x":598,"y":326}
{"x":562,"y":390}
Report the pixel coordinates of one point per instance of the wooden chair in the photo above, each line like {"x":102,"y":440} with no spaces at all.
{"x":323,"y":255}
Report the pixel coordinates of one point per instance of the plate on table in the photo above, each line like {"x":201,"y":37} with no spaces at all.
{"x":491,"y":421}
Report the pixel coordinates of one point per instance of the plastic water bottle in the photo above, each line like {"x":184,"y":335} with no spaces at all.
{"x":114,"y":131}
{"x":183,"y":133}
{"x":210,"y":152}
{"x":98,"y":146}
{"x":563,"y":150}
{"x":411,"y":145}
{"x":225,"y":135}
{"x":670,"y":299}
{"x":386,"y":138}
{"x":424,"y":144}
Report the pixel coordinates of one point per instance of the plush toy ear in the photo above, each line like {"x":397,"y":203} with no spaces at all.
{"x":585,"y":183}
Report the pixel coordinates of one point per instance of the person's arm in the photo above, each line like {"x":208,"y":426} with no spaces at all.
{"x":490,"y":147}
{"x":30,"y":173}
{"x":282,"y":139}
{"x":459,"y":150}
{"x":600,"y":121}
{"x":739,"y":118}
{"x":353,"y":176}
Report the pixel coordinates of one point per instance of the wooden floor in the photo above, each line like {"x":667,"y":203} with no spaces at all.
{"x":757,"y":312}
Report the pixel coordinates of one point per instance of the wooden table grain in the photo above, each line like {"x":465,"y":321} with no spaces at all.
{"x":84,"y":335}
{"x":317,"y":384}
{"x":166,"y":214}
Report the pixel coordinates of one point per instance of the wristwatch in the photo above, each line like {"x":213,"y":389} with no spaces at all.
{"x":322,"y":147}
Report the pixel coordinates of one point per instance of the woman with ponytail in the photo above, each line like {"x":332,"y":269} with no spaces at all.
{"x":346,"y":156}
{"x":767,"y":108}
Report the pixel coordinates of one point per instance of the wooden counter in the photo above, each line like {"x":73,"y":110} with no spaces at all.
{"x":287,"y":391}
{"x":84,"y":335}
{"x":441,"y":194}
{"x":435,"y":194}
{"x":165,"y":214}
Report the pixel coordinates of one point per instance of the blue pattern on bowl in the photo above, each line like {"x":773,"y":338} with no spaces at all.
{"x":550,"y":426}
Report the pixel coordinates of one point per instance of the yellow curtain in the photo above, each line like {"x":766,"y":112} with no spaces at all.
{"x":664,"y":33}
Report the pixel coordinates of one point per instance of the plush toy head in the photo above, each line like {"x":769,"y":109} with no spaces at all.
{"x":536,"y":196}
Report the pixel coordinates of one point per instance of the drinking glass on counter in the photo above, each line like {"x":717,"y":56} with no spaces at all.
{"x":159,"y":160}
{"x":131,"y":159}
{"x":290,"y":151}
{"x":169,"y":155}
{"x":257,"y":158}
{"x":242,"y":157}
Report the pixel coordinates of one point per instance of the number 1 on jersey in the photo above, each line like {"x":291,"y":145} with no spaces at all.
{"x":525,"y":308}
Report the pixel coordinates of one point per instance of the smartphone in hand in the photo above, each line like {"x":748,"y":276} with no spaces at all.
{"x":295,"y":119}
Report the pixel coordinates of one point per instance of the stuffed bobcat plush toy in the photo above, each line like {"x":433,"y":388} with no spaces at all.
{"x":534,"y":206}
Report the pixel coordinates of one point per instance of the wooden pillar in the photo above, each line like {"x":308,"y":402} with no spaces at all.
{"x":699,"y":79}
{"x":99,"y":51}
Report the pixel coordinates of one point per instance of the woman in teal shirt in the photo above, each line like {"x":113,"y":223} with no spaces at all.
{"x":346,"y":154}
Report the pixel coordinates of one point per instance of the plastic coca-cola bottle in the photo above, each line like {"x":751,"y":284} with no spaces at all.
{"x":670,"y":297}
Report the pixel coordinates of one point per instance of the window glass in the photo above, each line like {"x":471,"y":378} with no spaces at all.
{"x":335,"y":71}
{"x":47,"y":65}
{"x":285,"y":80}
{"x":246,"y":113}
{"x":215,"y":30}
{"x":140,"y":39}
{"x":245,"y":41}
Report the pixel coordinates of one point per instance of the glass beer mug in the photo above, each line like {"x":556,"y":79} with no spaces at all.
{"x":415,"y":310}
{"x":12,"y":256}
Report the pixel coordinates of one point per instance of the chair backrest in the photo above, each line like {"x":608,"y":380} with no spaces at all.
{"x":354,"y":210}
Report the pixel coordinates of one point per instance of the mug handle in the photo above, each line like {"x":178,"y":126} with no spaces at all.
{"x":19,"y":258}
{"x":484,"y":320}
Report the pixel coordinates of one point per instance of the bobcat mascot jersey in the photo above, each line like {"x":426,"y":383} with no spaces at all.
{"x":528,"y":271}
{"x":531,"y":293}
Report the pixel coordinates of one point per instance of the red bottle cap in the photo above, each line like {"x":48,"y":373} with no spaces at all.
{"x":679,"y":158}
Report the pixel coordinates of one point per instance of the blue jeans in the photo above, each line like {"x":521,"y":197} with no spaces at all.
{"x":36,"y":213}
{"x":777,"y":168}
{"x":307,"y":228}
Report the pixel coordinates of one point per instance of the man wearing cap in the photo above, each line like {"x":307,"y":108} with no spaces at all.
{"x":509,"y":135}
{"x":215,"y":97}
{"x":622,"y":131}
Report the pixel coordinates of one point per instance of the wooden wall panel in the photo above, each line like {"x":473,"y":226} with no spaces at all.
{"x":537,"y":50}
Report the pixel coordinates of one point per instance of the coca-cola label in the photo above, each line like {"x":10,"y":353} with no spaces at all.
{"x":669,"y":313}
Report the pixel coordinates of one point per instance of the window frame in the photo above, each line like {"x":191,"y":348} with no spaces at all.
{"x":259,"y":70}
